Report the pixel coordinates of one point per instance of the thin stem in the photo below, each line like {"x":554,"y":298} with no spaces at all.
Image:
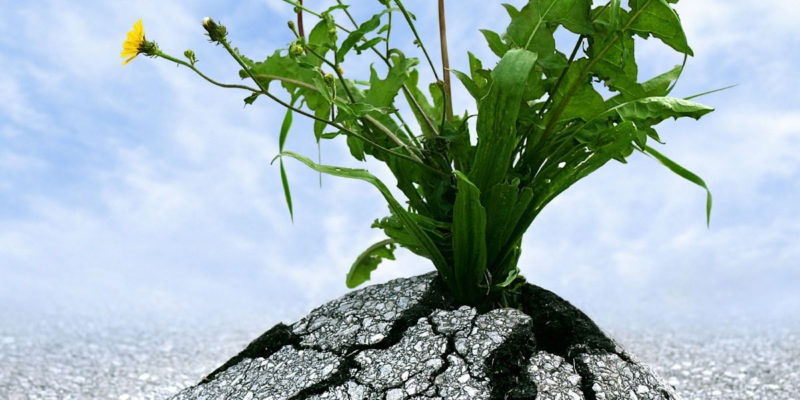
{"x":335,"y":68}
{"x":347,"y":13}
{"x":265,"y":91}
{"x":563,"y":73}
{"x":204,"y":76}
{"x":448,"y":101}
{"x":300,"y":20}
{"x":416,"y":37}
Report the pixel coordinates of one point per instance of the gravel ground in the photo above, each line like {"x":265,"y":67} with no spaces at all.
{"x":84,"y":359}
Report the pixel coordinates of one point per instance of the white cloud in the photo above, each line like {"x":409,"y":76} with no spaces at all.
{"x":145,"y":182}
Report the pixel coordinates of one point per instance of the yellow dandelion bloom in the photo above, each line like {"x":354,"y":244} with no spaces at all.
{"x":132,"y":45}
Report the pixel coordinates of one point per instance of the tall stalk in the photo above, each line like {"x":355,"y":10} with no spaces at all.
{"x":448,"y":102}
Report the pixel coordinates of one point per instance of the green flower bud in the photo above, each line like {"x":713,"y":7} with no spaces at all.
{"x":189,"y":54}
{"x":216,"y":32}
{"x":296,"y":49}
{"x":329,"y":79}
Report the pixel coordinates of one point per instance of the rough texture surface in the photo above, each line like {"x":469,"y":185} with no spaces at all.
{"x":406,"y":340}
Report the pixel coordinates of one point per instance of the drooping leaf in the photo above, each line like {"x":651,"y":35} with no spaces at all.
{"x":423,"y":240}
{"x":287,"y":193}
{"x":684,"y":173}
{"x":286,"y":125}
{"x":368,"y":261}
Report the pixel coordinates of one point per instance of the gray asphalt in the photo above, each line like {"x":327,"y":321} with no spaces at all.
{"x":84,"y":358}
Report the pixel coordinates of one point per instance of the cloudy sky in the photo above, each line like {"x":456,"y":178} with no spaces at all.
{"x":142,"y":189}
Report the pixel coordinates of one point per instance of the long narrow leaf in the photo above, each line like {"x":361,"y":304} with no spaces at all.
{"x":469,"y":234}
{"x":287,"y":194}
{"x":285,"y":126}
{"x":394,"y":206}
{"x":497,"y":117}
{"x":686,"y":174}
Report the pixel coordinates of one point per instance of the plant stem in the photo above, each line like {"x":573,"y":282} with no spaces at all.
{"x":416,"y":36}
{"x":300,"y":20}
{"x":204,"y":76}
{"x":448,"y":100}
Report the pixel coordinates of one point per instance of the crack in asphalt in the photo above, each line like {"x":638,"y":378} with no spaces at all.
{"x":555,"y":327}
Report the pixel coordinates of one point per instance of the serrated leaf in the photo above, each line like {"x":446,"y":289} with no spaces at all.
{"x":368,"y":261}
{"x":652,"y":110}
{"x":356,"y":35}
{"x":657,"y":17}
{"x":381,"y":92}
{"x":585,"y":102}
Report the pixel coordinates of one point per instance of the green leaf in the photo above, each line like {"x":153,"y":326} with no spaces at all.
{"x":422,"y":239}
{"x":368,"y":261}
{"x":426,"y":114}
{"x":495,"y":42}
{"x":614,"y":62}
{"x":572,"y":14}
{"x":497,"y":117}
{"x":657,"y":17}
{"x":505,"y":203}
{"x":684,"y":173}
{"x":529,"y":30}
{"x":585,"y":102}
{"x":287,"y":194}
{"x":469,"y":234}
{"x":652,"y":110}
{"x":356,"y":35}
{"x":382,"y":92}
{"x":471,"y":87}
{"x":658,"y":86}
{"x":285,"y":127}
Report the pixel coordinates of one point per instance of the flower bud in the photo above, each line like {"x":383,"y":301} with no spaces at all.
{"x":209,"y":24}
{"x":216,"y":32}
{"x":189,"y":54}
{"x":329,"y":79}
{"x":296,"y":49}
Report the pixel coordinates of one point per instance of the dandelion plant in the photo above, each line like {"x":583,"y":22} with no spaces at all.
{"x":546,"y":118}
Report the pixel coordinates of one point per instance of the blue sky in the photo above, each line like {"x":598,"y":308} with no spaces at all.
{"x":143,"y":189}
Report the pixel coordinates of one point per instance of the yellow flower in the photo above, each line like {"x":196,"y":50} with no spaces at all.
{"x":134,"y":43}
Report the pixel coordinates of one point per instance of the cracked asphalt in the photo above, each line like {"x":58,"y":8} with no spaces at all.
{"x":79,"y":358}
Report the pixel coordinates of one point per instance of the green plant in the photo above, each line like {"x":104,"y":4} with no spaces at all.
{"x":542,"y":123}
